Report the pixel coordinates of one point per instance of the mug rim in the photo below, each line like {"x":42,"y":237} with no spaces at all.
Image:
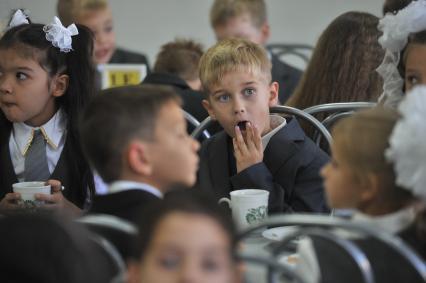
{"x":252,"y":192}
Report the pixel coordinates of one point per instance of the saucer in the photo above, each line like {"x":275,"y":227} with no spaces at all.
{"x":278,"y":233}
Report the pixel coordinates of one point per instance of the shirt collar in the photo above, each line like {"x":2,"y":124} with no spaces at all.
{"x":392,"y":223}
{"x":52,"y":132}
{"x":120,"y":186}
{"x":277,"y":122}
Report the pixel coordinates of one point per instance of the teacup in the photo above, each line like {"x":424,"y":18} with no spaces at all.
{"x":248,"y":206}
{"x":28,"y":190}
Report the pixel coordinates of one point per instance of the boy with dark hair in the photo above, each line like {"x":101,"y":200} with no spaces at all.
{"x":177,"y":66}
{"x":256,"y":150}
{"x":248,"y":19}
{"x":135,"y":137}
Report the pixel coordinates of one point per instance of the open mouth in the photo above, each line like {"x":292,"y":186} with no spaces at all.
{"x":242,"y":125}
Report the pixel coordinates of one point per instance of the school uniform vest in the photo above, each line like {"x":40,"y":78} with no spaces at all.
{"x":61,"y":171}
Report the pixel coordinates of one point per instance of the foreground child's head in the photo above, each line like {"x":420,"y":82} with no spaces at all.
{"x":139,"y":133}
{"x":180,"y":58}
{"x":186,"y":238}
{"x":236,"y":74}
{"x":96,"y":15}
{"x":240,"y":18}
{"x":359,"y":175}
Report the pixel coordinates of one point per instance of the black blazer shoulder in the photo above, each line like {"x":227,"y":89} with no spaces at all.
{"x":125,"y":204}
{"x":287,"y":77}
{"x":192,"y":100}
{"x":122,"y":56}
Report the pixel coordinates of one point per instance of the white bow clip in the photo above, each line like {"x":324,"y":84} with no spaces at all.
{"x":19,"y":18}
{"x":59,"y":35}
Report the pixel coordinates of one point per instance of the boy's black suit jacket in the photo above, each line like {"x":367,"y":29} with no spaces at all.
{"x":289,"y":171}
{"x":287,"y":77}
{"x":122,"y":56}
{"x":126,"y":204}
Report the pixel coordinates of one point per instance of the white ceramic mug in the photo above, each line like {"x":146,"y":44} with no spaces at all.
{"x":248,"y":206}
{"x":27,"y":190}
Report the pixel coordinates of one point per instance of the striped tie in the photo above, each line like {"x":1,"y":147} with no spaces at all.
{"x":36,"y":168}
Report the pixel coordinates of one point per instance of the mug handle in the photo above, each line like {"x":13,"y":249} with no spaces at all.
{"x":227,"y":200}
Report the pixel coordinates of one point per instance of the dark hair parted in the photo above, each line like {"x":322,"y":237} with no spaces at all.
{"x":115,"y":117}
{"x":393,"y":6}
{"x":343,"y":64}
{"x":189,"y":201}
{"x":180,"y":58}
{"x":29,"y":41}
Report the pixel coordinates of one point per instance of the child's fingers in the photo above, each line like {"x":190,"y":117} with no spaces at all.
{"x":10,"y":197}
{"x":257,"y":138}
{"x":53,"y":198}
{"x":250,"y":137}
{"x":240,"y":140}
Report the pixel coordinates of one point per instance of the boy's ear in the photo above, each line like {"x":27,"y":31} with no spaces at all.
{"x":273,"y":94}
{"x":59,"y":85}
{"x":265,"y":32}
{"x":137,"y":158}
{"x":209,"y":109}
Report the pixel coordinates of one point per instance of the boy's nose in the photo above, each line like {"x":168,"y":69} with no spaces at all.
{"x":238,"y":107}
{"x":5,"y":86}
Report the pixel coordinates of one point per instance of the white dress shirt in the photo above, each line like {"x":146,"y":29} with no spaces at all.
{"x":277,"y":122}
{"x":122,"y":185}
{"x":54,"y":131}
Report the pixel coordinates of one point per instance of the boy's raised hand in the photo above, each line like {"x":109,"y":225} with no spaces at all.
{"x":248,"y":151}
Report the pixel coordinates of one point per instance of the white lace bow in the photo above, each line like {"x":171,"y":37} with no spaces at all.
{"x":407,"y":149}
{"x":18,"y":18}
{"x":59,"y":35}
{"x":396,"y":29}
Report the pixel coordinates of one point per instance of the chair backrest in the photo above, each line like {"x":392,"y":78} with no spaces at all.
{"x":412,"y":263}
{"x":116,"y":236}
{"x":285,"y":52}
{"x":278,"y":110}
{"x":195,"y":123}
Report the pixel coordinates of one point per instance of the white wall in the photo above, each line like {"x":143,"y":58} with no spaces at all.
{"x":145,"y":25}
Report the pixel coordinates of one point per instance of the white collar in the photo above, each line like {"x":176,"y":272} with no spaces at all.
{"x":122,"y":185}
{"x":277,"y":122}
{"x":52,"y":132}
{"x":392,"y":223}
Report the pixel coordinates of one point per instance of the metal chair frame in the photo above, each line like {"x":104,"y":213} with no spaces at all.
{"x":393,"y":242}
{"x":194,"y":122}
{"x":276,"y":110}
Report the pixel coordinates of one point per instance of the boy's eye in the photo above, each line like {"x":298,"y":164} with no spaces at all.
{"x":249,"y":91}
{"x":210,"y":265}
{"x":21,"y":76}
{"x":108,"y":29}
{"x":169,"y":262}
{"x":223,"y":97}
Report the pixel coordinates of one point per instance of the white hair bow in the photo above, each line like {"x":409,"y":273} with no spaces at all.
{"x":18,"y":18}
{"x":407,"y":149}
{"x":59,"y":35}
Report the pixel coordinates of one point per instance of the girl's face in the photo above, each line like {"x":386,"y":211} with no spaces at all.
{"x":188,"y":247}
{"x":415,"y":65}
{"x":342,"y":188}
{"x":27,"y":94}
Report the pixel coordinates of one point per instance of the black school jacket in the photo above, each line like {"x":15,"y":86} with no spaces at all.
{"x":289,"y":171}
